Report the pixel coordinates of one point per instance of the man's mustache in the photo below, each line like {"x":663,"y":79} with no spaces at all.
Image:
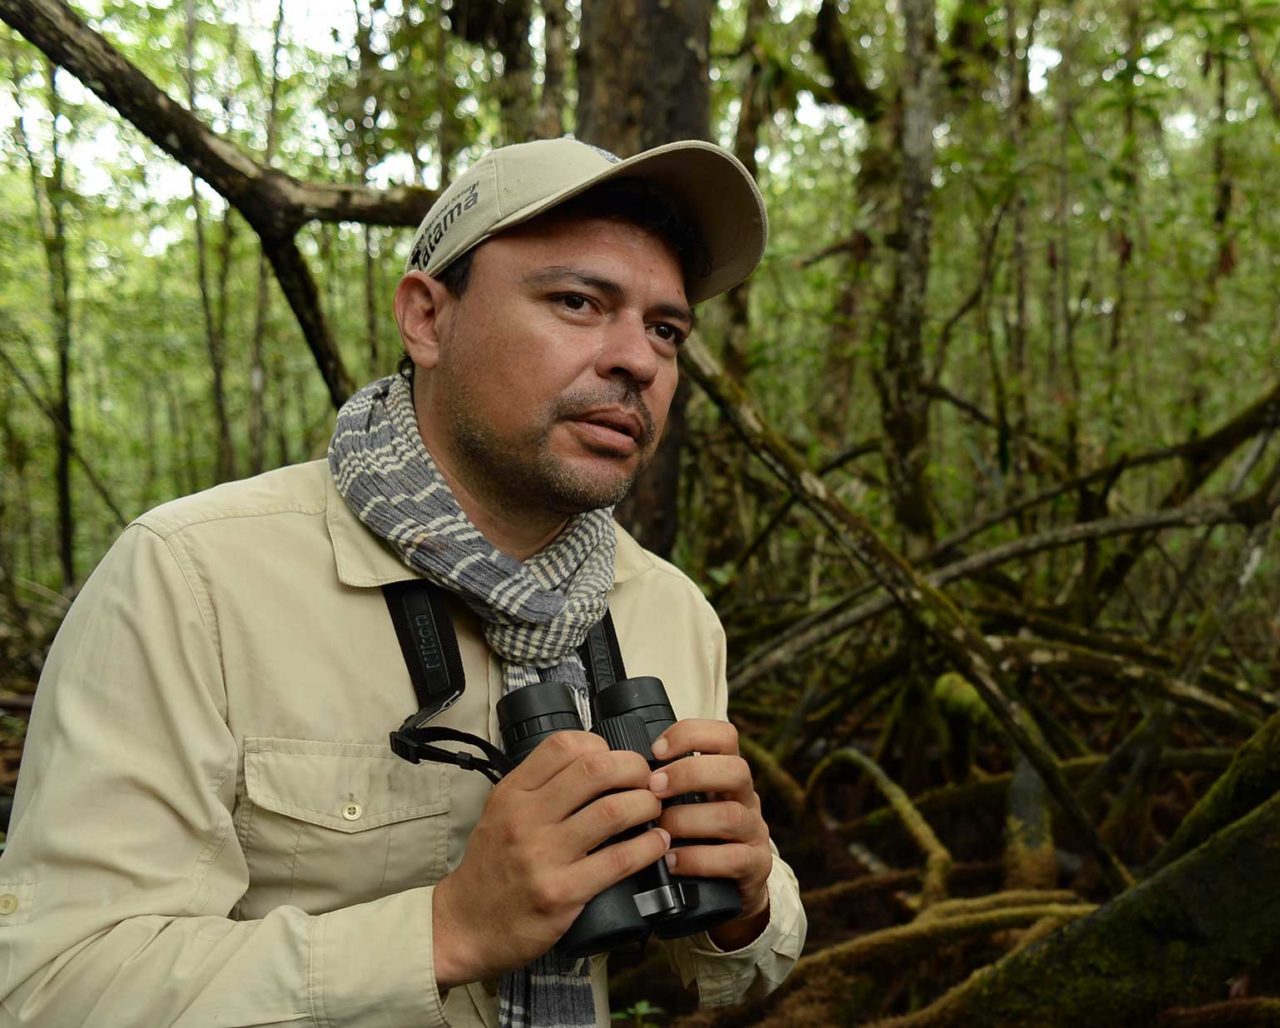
{"x":575,"y":405}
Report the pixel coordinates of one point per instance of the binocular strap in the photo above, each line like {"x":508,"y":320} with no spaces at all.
{"x":424,"y":628}
{"x":417,"y":744}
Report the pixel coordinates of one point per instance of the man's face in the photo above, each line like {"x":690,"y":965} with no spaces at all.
{"x":557,"y":365}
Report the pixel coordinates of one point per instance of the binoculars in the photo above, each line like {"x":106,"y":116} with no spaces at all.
{"x":630,"y":715}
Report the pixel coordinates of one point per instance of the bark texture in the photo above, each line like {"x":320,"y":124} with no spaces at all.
{"x":904,"y":403}
{"x":643,"y":81}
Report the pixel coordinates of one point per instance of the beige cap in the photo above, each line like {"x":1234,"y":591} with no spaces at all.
{"x":512,"y":184}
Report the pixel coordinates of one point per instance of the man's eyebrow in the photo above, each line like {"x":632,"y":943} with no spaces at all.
{"x":559,"y":273}
{"x":674,"y":310}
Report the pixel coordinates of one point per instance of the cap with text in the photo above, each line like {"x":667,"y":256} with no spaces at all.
{"x":514,"y":184}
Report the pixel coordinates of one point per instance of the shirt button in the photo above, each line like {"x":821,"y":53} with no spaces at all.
{"x":8,"y":903}
{"x":352,"y":811}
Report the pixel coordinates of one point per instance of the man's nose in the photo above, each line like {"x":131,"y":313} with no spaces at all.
{"x":628,"y":350}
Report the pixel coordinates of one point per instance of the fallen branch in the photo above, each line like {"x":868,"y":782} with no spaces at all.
{"x":1010,"y":898}
{"x":1200,"y":460}
{"x":924,"y":934}
{"x":921,"y":600}
{"x":937,"y":857}
{"x":1256,"y":418}
{"x":990,"y":792}
{"x":1117,"y":645}
{"x":812,"y":992}
{"x":1047,"y":655}
{"x":841,"y":616}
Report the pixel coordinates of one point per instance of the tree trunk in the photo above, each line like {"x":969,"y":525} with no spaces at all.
{"x":643,"y":81}
{"x":904,"y":404}
{"x":745,"y":140}
{"x":503,"y":26}
{"x":257,"y":369}
{"x":550,"y":118}
{"x":224,"y":459}
{"x":49,"y":197}
{"x":1017,"y":381}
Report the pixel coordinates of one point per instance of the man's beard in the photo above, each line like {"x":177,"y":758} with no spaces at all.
{"x":528,"y":473}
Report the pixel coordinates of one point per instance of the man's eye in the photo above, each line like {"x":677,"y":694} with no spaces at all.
{"x":574,"y":301}
{"x":669,"y":333}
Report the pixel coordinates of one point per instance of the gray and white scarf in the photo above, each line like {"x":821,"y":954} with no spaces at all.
{"x":536,"y":613}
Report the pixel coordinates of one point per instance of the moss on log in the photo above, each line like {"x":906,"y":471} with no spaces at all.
{"x":1252,"y":778}
{"x":1172,"y":940}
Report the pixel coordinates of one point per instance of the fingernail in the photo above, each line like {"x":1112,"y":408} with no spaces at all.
{"x":670,"y":858}
{"x":666,"y":837}
{"x":660,"y":748}
{"x":658,"y":782}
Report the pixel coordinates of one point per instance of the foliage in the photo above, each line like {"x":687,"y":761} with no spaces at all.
{"x":1102,"y":287}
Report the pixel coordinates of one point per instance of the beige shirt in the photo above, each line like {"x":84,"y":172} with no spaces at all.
{"x":210,"y":827}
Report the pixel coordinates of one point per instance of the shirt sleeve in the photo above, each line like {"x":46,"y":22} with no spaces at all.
{"x":122,"y":864}
{"x":755,"y":970}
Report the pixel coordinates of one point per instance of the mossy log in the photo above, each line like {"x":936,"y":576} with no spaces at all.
{"x":1173,"y":940}
{"x":1252,"y":778}
{"x":831,"y":986}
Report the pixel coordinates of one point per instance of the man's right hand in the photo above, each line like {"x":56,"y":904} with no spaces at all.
{"x":529,"y":868}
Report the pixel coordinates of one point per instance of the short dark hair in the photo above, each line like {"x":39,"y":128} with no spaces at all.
{"x":634,"y":201}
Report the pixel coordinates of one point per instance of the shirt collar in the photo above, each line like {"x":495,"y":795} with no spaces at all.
{"x":363,"y":560}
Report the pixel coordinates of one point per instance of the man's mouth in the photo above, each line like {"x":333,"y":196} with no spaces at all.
{"x":620,"y":421}
{"x":614,"y":428}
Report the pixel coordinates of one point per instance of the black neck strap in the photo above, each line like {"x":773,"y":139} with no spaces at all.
{"x":424,"y":627}
{"x":601,"y":658}
{"x":420,"y":612}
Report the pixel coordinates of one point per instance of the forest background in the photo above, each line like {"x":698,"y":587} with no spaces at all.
{"x":979,"y":470}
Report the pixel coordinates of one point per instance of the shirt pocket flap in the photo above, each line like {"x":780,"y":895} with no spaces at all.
{"x":346,"y":786}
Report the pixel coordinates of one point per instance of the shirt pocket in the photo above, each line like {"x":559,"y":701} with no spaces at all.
{"x":328,"y":824}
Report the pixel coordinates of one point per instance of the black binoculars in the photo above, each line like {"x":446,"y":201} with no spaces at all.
{"x":630,"y":715}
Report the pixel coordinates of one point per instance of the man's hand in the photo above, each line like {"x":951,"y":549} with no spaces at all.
{"x":731,"y":813}
{"x":529,"y":870}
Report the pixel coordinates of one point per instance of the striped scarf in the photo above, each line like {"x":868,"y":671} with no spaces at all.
{"x":536,"y":613}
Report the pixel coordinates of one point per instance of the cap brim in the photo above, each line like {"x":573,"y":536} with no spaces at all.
{"x":711,"y":188}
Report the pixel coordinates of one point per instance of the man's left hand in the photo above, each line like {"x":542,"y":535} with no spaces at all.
{"x":730,"y":815}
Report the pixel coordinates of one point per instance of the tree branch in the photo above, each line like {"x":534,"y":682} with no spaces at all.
{"x":94,"y":481}
{"x":921,"y":600}
{"x":300,"y":290}
{"x":841,"y":616}
{"x":275,"y":205}
{"x":1263,"y":72}
{"x":844,"y":64}
{"x":937,"y":858}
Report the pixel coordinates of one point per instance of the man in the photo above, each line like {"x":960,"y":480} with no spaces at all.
{"x":210,"y":827}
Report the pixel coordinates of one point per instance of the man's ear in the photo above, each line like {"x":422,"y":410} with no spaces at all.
{"x":419,"y":307}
